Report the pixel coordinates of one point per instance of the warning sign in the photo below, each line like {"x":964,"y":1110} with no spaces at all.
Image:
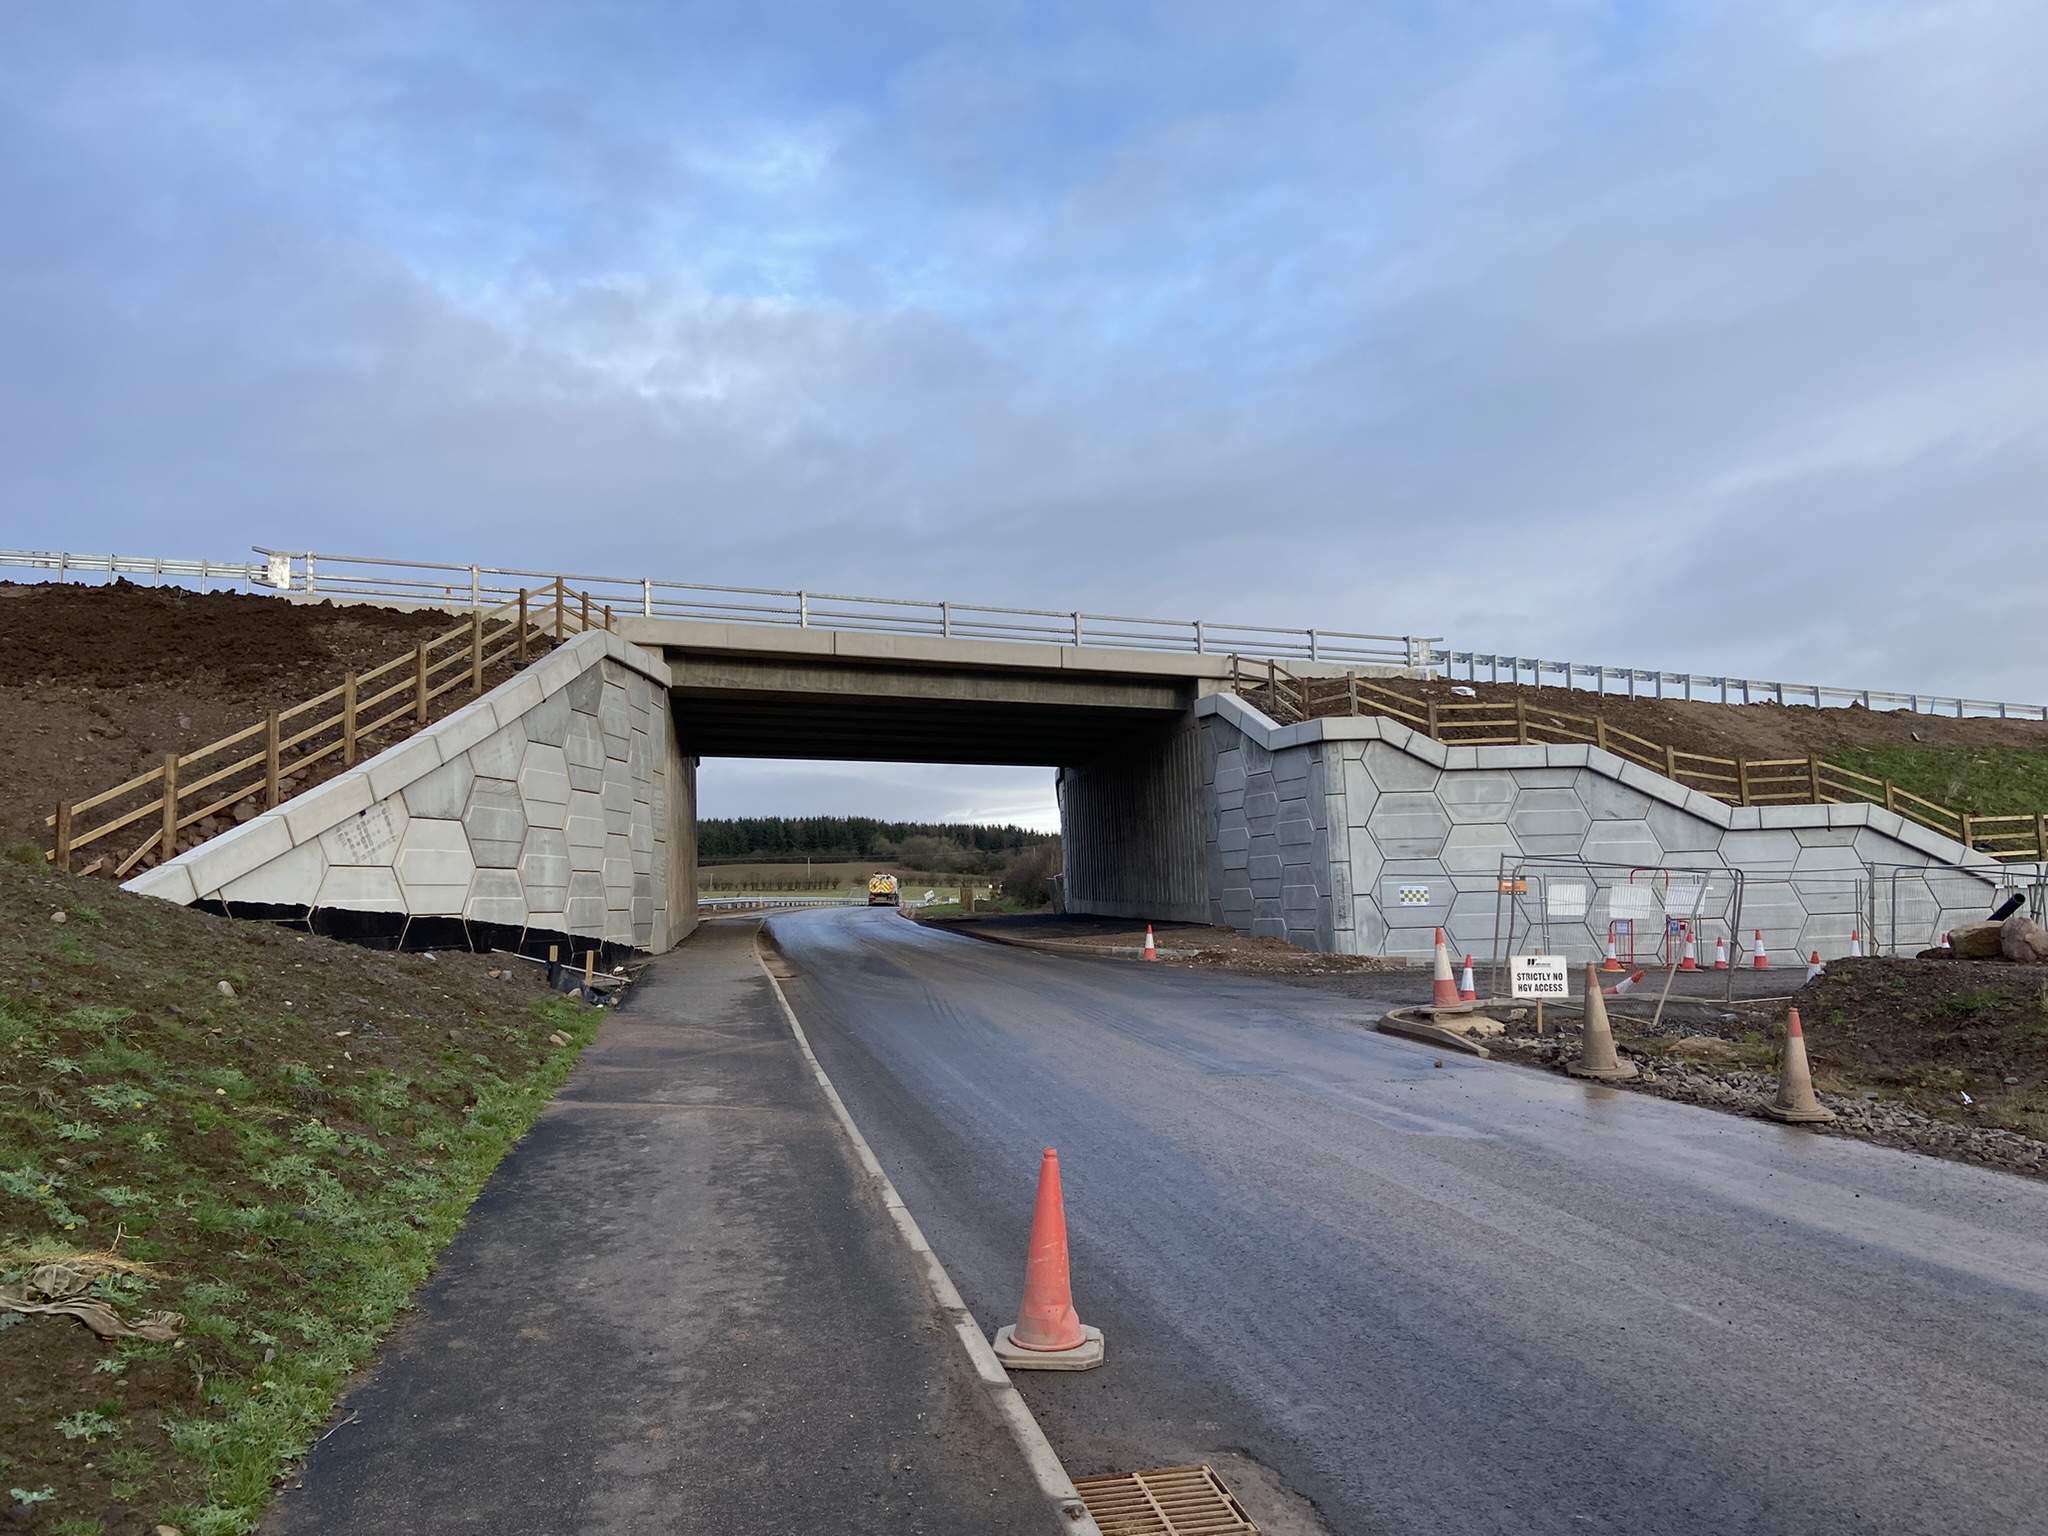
{"x":1538,"y":977}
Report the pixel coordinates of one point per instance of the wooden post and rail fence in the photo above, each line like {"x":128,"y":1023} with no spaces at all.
{"x":1809,"y":780}
{"x":262,"y":765}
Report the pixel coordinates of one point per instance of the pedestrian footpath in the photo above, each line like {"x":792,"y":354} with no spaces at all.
{"x":678,"y":1307}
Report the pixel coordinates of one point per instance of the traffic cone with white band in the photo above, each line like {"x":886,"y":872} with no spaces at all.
{"x":1855,"y":944}
{"x":1623,"y":987}
{"x":1688,"y":959}
{"x":1444,"y":993}
{"x":1468,"y":992}
{"x":1759,"y":961}
{"x":1814,"y":969}
{"x":1720,"y":953}
{"x":1613,"y":961}
{"x":1151,"y":952}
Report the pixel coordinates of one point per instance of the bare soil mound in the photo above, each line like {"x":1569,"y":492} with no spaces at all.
{"x":97,"y":683}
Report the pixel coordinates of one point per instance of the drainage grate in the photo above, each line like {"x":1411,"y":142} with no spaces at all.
{"x":1173,"y":1501}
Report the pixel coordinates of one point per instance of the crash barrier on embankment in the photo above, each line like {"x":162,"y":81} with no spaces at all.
{"x":556,"y":804}
{"x":1811,"y":780}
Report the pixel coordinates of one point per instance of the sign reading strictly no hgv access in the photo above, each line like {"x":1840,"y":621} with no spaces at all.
{"x":1537,"y":977}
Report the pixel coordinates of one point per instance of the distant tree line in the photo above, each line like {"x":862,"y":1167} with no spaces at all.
{"x":966,"y":847}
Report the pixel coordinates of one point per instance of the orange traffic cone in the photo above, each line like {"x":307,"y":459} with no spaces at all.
{"x":1444,"y":994}
{"x":1814,"y":969}
{"x":1468,"y":992}
{"x":1759,"y":961}
{"x":1597,"y":1057}
{"x":1689,"y":959}
{"x":1720,"y":953}
{"x":1855,"y":944}
{"x":1623,"y":987}
{"x":1151,"y":952}
{"x":1613,"y":961}
{"x":1796,"y":1102}
{"x":1047,"y":1335}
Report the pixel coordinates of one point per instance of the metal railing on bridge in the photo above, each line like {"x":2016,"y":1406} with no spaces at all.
{"x":441,"y":585}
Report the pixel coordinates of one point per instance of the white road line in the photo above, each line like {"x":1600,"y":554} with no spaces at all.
{"x":1037,"y":1451}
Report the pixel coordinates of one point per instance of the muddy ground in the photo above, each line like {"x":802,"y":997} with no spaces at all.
{"x":97,"y":683}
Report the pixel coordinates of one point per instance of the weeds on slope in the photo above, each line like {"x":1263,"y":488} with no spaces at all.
{"x":270,"y":1134}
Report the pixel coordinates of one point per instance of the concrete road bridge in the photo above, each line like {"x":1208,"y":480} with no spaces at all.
{"x":563,"y":802}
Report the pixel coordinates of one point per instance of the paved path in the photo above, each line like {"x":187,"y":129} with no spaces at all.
{"x":676,"y":1308}
{"x":1458,"y":1299}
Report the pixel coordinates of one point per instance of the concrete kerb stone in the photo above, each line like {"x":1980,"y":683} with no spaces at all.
{"x":237,"y":851}
{"x":1069,"y":1512}
{"x":168,"y":882}
{"x":326,"y":806}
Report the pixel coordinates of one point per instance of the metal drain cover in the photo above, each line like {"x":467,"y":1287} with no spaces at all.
{"x":1173,"y":1501}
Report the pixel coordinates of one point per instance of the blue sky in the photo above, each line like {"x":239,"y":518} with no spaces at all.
{"x":1700,"y":335}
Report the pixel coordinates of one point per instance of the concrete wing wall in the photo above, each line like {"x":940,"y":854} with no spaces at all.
{"x":558,"y":802}
{"x":1132,"y":832}
{"x":1362,"y":836}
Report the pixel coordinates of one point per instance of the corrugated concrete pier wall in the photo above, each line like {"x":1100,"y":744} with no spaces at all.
{"x":1133,"y":831}
{"x":559,"y":802}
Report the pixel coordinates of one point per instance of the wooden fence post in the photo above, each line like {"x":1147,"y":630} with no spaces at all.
{"x":419,"y":684}
{"x":607,"y":618}
{"x":1521,"y":723}
{"x":1813,"y":777}
{"x":1433,"y":732}
{"x":2041,"y":834}
{"x":561,"y":609}
{"x":63,"y":843}
{"x":167,"y":846}
{"x":1891,"y":799}
{"x":348,"y":719}
{"x":1600,"y":732}
{"x":476,"y":651}
{"x":586,"y":610}
{"x":273,"y":778}
{"x":1670,"y":762}
{"x":1967,"y":818}
{"x":522,"y":626}
{"x":1351,"y":678}
{"x":1742,"y":779}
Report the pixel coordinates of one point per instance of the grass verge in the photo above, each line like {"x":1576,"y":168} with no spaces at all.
{"x":280,"y":1159}
{"x":1982,"y":781}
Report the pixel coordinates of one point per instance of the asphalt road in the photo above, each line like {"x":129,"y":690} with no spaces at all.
{"x":1442,"y":1298}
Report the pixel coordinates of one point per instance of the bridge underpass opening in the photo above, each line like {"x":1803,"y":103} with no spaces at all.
{"x":1088,"y":725}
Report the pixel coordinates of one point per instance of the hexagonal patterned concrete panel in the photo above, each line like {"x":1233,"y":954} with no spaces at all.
{"x":1549,"y":821}
{"x":584,"y":747}
{"x":1476,"y":797}
{"x":544,"y":868}
{"x":435,"y":867}
{"x":495,"y":896}
{"x":442,"y":793}
{"x":496,"y":821}
{"x":1478,"y":850}
{"x":1409,"y":826}
{"x":1622,"y":843}
{"x":548,"y":721}
{"x":1392,"y":768}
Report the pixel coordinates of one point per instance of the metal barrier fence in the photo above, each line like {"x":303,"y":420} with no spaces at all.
{"x":1912,"y":906}
{"x":717,"y":904}
{"x":1480,"y":666}
{"x":475,"y":586}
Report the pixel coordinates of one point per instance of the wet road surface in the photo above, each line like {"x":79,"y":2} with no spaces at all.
{"x":1456,"y":1298}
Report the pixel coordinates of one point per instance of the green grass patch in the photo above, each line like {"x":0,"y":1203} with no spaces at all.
{"x":283,"y":1176}
{"x":1981,"y":781}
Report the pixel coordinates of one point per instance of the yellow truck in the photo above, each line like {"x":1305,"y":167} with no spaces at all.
{"x":882,"y":891}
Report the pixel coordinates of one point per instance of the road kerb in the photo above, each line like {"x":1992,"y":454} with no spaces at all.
{"x":1070,"y":1514}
